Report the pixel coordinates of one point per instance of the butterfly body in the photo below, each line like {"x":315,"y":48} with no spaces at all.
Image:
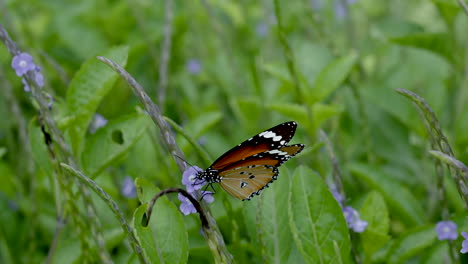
{"x":248,"y":168}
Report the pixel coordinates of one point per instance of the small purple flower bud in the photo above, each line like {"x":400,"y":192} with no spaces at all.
{"x":193,"y":66}
{"x":22,"y":63}
{"x":353,"y":220}
{"x":190,"y":180}
{"x":262,"y":29}
{"x":26,"y":87}
{"x":464,"y":243}
{"x":128,"y":188}
{"x":39,"y":78}
{"x":446,"y":230}
{"x":186,"y":207}
{"x":98,"y":122}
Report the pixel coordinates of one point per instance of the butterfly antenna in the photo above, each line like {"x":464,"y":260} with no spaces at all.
{"x":183,"y":160}
{"x":205,"y":192}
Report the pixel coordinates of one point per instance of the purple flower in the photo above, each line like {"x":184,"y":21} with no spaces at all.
{"x":128,"y":188}
{"x":262,"y":29}
{"x":353,"y":220}
{"x":464,"y":243}
{"x":186,"y":207}
{"x":193,"y":66}
{"x":190,"y":180}
{"x":446,"y":230}
{"x":38,"y":77}
{"x":26,"y":87}
{"x":336,"y":194}
{"x":22,"y":63}
{"x":98,"y":122}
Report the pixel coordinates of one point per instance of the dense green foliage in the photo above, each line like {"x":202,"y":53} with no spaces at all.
{"x":220,"y":72}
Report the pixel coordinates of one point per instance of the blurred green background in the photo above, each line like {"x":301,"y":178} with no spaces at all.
{"x":229,"y":70}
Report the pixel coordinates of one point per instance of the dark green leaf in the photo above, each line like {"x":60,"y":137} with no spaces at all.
{"x":438,"y":43}
{"x":398,"y":197}
{"x":111,"y":142}
{"x":316,"y":220}
{"x":87,"y":88}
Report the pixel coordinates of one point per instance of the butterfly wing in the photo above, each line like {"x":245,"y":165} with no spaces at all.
{"x":245,"y":182}
{"x":270,"y":139}
{"x":249,"y":176}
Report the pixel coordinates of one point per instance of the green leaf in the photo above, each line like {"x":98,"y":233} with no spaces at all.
{"x":331,"y":77}
{"x":323,"y":112}
{"x":38,"y":147}
{"x":436,"y":254}
{"x":398,"y":197}
{"x":165,"y":240}
{"x":145,"y":190}
{"x":87,"y":88}
{"x":276,"y":240}
{"x":438,"y":43}
{"x":375,"y":212}
{"x":448,"y":11}
{"x":111,"y":142}
{"x":411,"y":244}
{"x":203,"y":123}
{"x":316,"y":220}
{"x":293,"y":111}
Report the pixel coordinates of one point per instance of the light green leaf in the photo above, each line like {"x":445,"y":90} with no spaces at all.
{"x":399,"y":198}
{"x":165,"y":240}
{"x":316,"y":220}
{"x":375,"y":212}
{"x":145,"y":190}
{"x":323,"y":112}
{"x":438,"y":43}
{"x":87,"y":88}
{"x":276,"y":238}
{"x":293,"y":111}
{"x":111,"y":142}
{"x":330,"y":78}
{"x":411,"y":244}
{"x":203,"y":123}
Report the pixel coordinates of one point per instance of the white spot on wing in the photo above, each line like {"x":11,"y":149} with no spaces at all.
{"x":278,"y":152}
{"x":268,"y":134}
{"x":277,"y":138}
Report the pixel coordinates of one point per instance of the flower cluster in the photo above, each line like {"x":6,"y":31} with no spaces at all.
{"x":23,"y":63}
{"x":352,"y":217}
{"x":447,"y":230}
{"x":189,"y":179}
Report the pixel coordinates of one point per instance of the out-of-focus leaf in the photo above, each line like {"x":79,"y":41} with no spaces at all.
{"x":398,"y":197}
{"x":39,"y":148}
{"x":87,"y":88}
{"x":293,"y":111}
{"x":145,"y":190}
{"x":276,"y":238}
{"x":375,"y":212}
{"x":331,"y":77}
{"x":438,"y":253}
{"x":112,"y":142}
{"x":316,"y":220}
{"x":165,"y":239}
{"x":448,"y":10}
{"x":323,"y":112}
{"x":438,"y":43}
{"x":203,"y":123}
{"x":411,"y":244}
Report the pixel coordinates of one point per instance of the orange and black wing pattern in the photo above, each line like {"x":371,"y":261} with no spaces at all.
{"x":245,"y":170}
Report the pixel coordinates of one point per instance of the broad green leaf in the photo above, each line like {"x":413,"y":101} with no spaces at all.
{"x":87,"y":88}
{"x":448,"y":10}
{"x":412,"y":244}
{"x":399,"y":198}
{"x":375,"y":212}
{"x":38,"y":147}
{"x":331,"y":77}
{"x":438,"y":43}
{"x":145,"y":190}
{"x":111,"y":142}
{"x":316,"y":220}
{"x":323,"y":112}
{"x":2,"y":152}
{"x":293,"y":111}
{"x":165,"y":239}
{"x":203,"y":123}
{"x":436,"y":254}
{"x":276,"y":238}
